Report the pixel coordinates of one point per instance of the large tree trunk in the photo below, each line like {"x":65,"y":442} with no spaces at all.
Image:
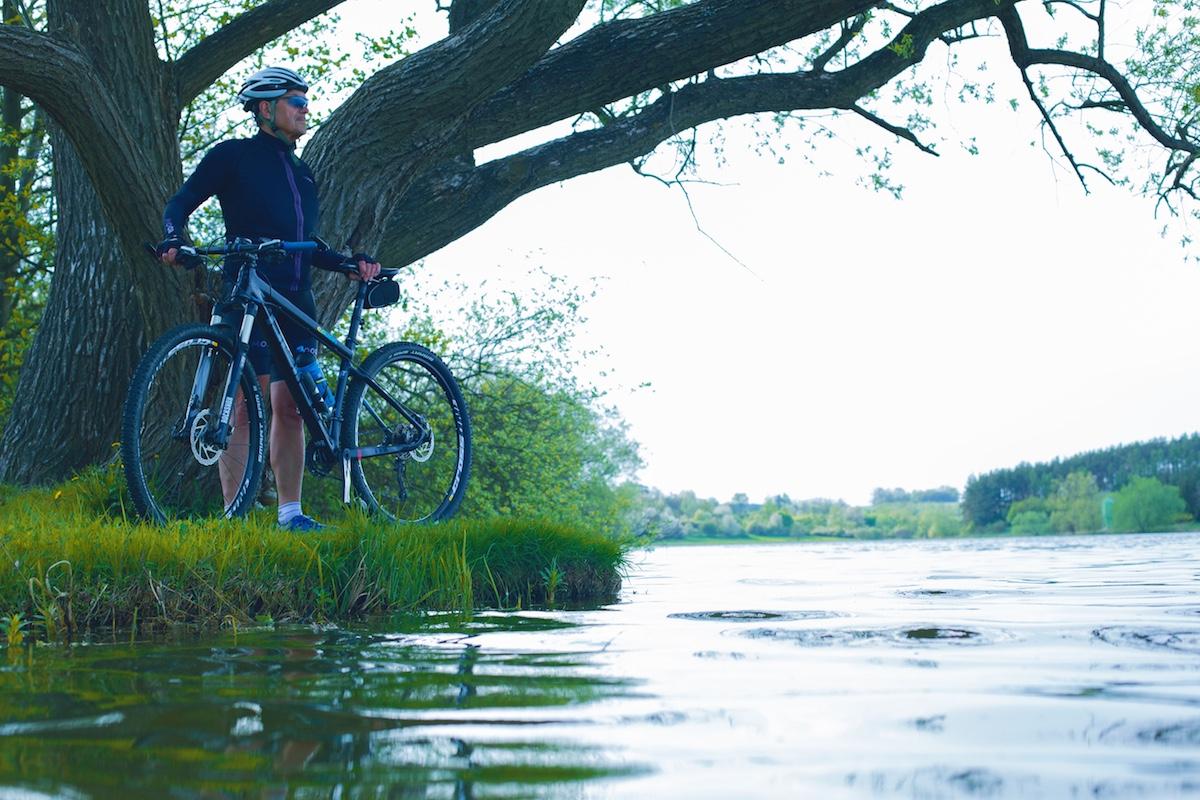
{"x":104,"y":306}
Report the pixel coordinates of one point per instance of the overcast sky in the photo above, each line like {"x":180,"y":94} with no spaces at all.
{"x":995,"y":314}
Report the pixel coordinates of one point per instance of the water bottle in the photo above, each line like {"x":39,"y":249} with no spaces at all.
{"x":314,"y":383}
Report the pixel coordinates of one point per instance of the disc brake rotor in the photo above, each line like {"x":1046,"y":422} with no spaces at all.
{"x":423,"y":453}
{"x":203,"y":452}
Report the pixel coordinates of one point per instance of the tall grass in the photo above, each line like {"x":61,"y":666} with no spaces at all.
{"x":72,"y":561}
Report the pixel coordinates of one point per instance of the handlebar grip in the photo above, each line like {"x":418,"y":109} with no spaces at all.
{"x":182,"y":258}
{"x":188,"y":260}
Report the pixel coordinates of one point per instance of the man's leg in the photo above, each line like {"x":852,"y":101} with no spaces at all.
{"x":287,"y":426}
{"x":287,"y":444}
{"x":232,"y":466}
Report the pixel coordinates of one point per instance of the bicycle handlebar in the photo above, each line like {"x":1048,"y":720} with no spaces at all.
{"x":190,"y":257}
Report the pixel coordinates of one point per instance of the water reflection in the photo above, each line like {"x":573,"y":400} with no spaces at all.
{"x":961,"y":669}
{"x":753,"y":616}
{"x":271,"y":713}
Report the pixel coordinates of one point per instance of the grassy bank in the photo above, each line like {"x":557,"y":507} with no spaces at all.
{"x":70,"y":562}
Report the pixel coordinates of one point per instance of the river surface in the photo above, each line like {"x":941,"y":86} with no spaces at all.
{"x":982,"y":668}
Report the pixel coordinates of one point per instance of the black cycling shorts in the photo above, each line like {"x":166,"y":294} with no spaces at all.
{"x":300,"y":340}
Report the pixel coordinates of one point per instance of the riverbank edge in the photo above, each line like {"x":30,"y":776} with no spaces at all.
{"x":696,"y":541}
{"x":68,"y":569}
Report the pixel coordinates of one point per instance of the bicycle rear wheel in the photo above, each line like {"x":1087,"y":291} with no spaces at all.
{"x":427,"y":483}
{"x":172,"y":468}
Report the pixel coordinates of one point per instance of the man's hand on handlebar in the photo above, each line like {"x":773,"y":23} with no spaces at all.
{"x":368,"y":267}
{"x":168,"y":251}
{"x":176,"y":252}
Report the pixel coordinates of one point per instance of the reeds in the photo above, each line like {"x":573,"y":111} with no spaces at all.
{"x":72,"y":562}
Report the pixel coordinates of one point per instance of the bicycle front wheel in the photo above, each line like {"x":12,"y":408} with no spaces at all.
{"x":174,"y":467}
{"x":426,"y":481}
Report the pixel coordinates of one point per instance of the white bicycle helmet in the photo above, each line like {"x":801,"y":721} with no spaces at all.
{"x":269,"y":84}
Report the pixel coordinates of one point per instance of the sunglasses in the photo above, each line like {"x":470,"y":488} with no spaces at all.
{"x":297,"y":101}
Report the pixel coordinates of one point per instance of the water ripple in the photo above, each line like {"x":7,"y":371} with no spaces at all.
{"x":955,"y":594}
{"x":907,"y":636}
{"x":1174,"y":733}
{"x":754,"y":616}
{"x":1180,"y":641}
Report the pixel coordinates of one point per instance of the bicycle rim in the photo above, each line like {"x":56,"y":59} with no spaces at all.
{"x":174,"y":471}
{"x":427,"y":484}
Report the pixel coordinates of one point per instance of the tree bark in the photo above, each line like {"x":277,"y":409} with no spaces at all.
{"x":105,"y":300}
{"x":11,"y":119}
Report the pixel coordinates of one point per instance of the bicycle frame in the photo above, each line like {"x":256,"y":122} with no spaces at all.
{"x":257,"y":297}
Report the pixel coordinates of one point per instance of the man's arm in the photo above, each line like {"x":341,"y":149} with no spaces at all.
{"x":210,"y":175}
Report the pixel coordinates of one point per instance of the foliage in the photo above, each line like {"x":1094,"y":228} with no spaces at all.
{"x":1030,"y":516}
{"x":1095,"y":130}
{"x":1146,"y":504}
{"x":1075,"y":504}
{"x":684,"y":516}
{"x":27,"y":217}
{"x":1164,"y":68}
{"x":988,"y":497}
{"x":545,"y":442}
{"x":942,"y":494}
{"x":1030,"y":523}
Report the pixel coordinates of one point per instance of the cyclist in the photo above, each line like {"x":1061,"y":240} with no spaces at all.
{"x":267,"y":192}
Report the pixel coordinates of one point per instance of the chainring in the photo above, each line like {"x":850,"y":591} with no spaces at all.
{"x":318,"y":460}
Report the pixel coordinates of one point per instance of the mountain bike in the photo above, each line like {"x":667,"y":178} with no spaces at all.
{"x":194,"y":429}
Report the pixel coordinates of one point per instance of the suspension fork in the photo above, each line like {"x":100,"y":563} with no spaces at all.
{"x":221,"y":432}
{"x":196,"y":397}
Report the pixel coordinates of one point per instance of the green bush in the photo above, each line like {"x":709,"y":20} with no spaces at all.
{"x":1146,"y":504}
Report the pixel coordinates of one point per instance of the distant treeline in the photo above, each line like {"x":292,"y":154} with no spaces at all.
{"x":1176,"y":462}
{"x":942,"y":494}
{"x":684,"y":516}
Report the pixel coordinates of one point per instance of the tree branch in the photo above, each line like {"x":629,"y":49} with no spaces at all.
{"x":215,"y":55}
{"x":43,"y":67}
{"x":847,"y":36}
{"x":50,"y":71}
{"x":621,"y":58}
{"x":903,"y":133}
{"x":1093,"y":17}
{"x":416,"y":107}
{"x":1025,"y":57}
{"x":452,"y":201}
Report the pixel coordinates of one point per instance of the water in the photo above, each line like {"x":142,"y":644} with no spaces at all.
{"x":1056,"y":667}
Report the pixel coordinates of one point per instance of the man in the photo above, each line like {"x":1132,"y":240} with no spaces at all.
{"x":267,"y":192}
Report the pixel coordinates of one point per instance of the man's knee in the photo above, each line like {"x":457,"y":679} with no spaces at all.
{"x":283,"y":407}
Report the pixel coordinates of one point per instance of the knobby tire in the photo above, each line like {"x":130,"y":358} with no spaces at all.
{"x":166,"y":479}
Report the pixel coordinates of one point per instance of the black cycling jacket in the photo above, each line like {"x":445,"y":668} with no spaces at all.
{"x":265,"y":192}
